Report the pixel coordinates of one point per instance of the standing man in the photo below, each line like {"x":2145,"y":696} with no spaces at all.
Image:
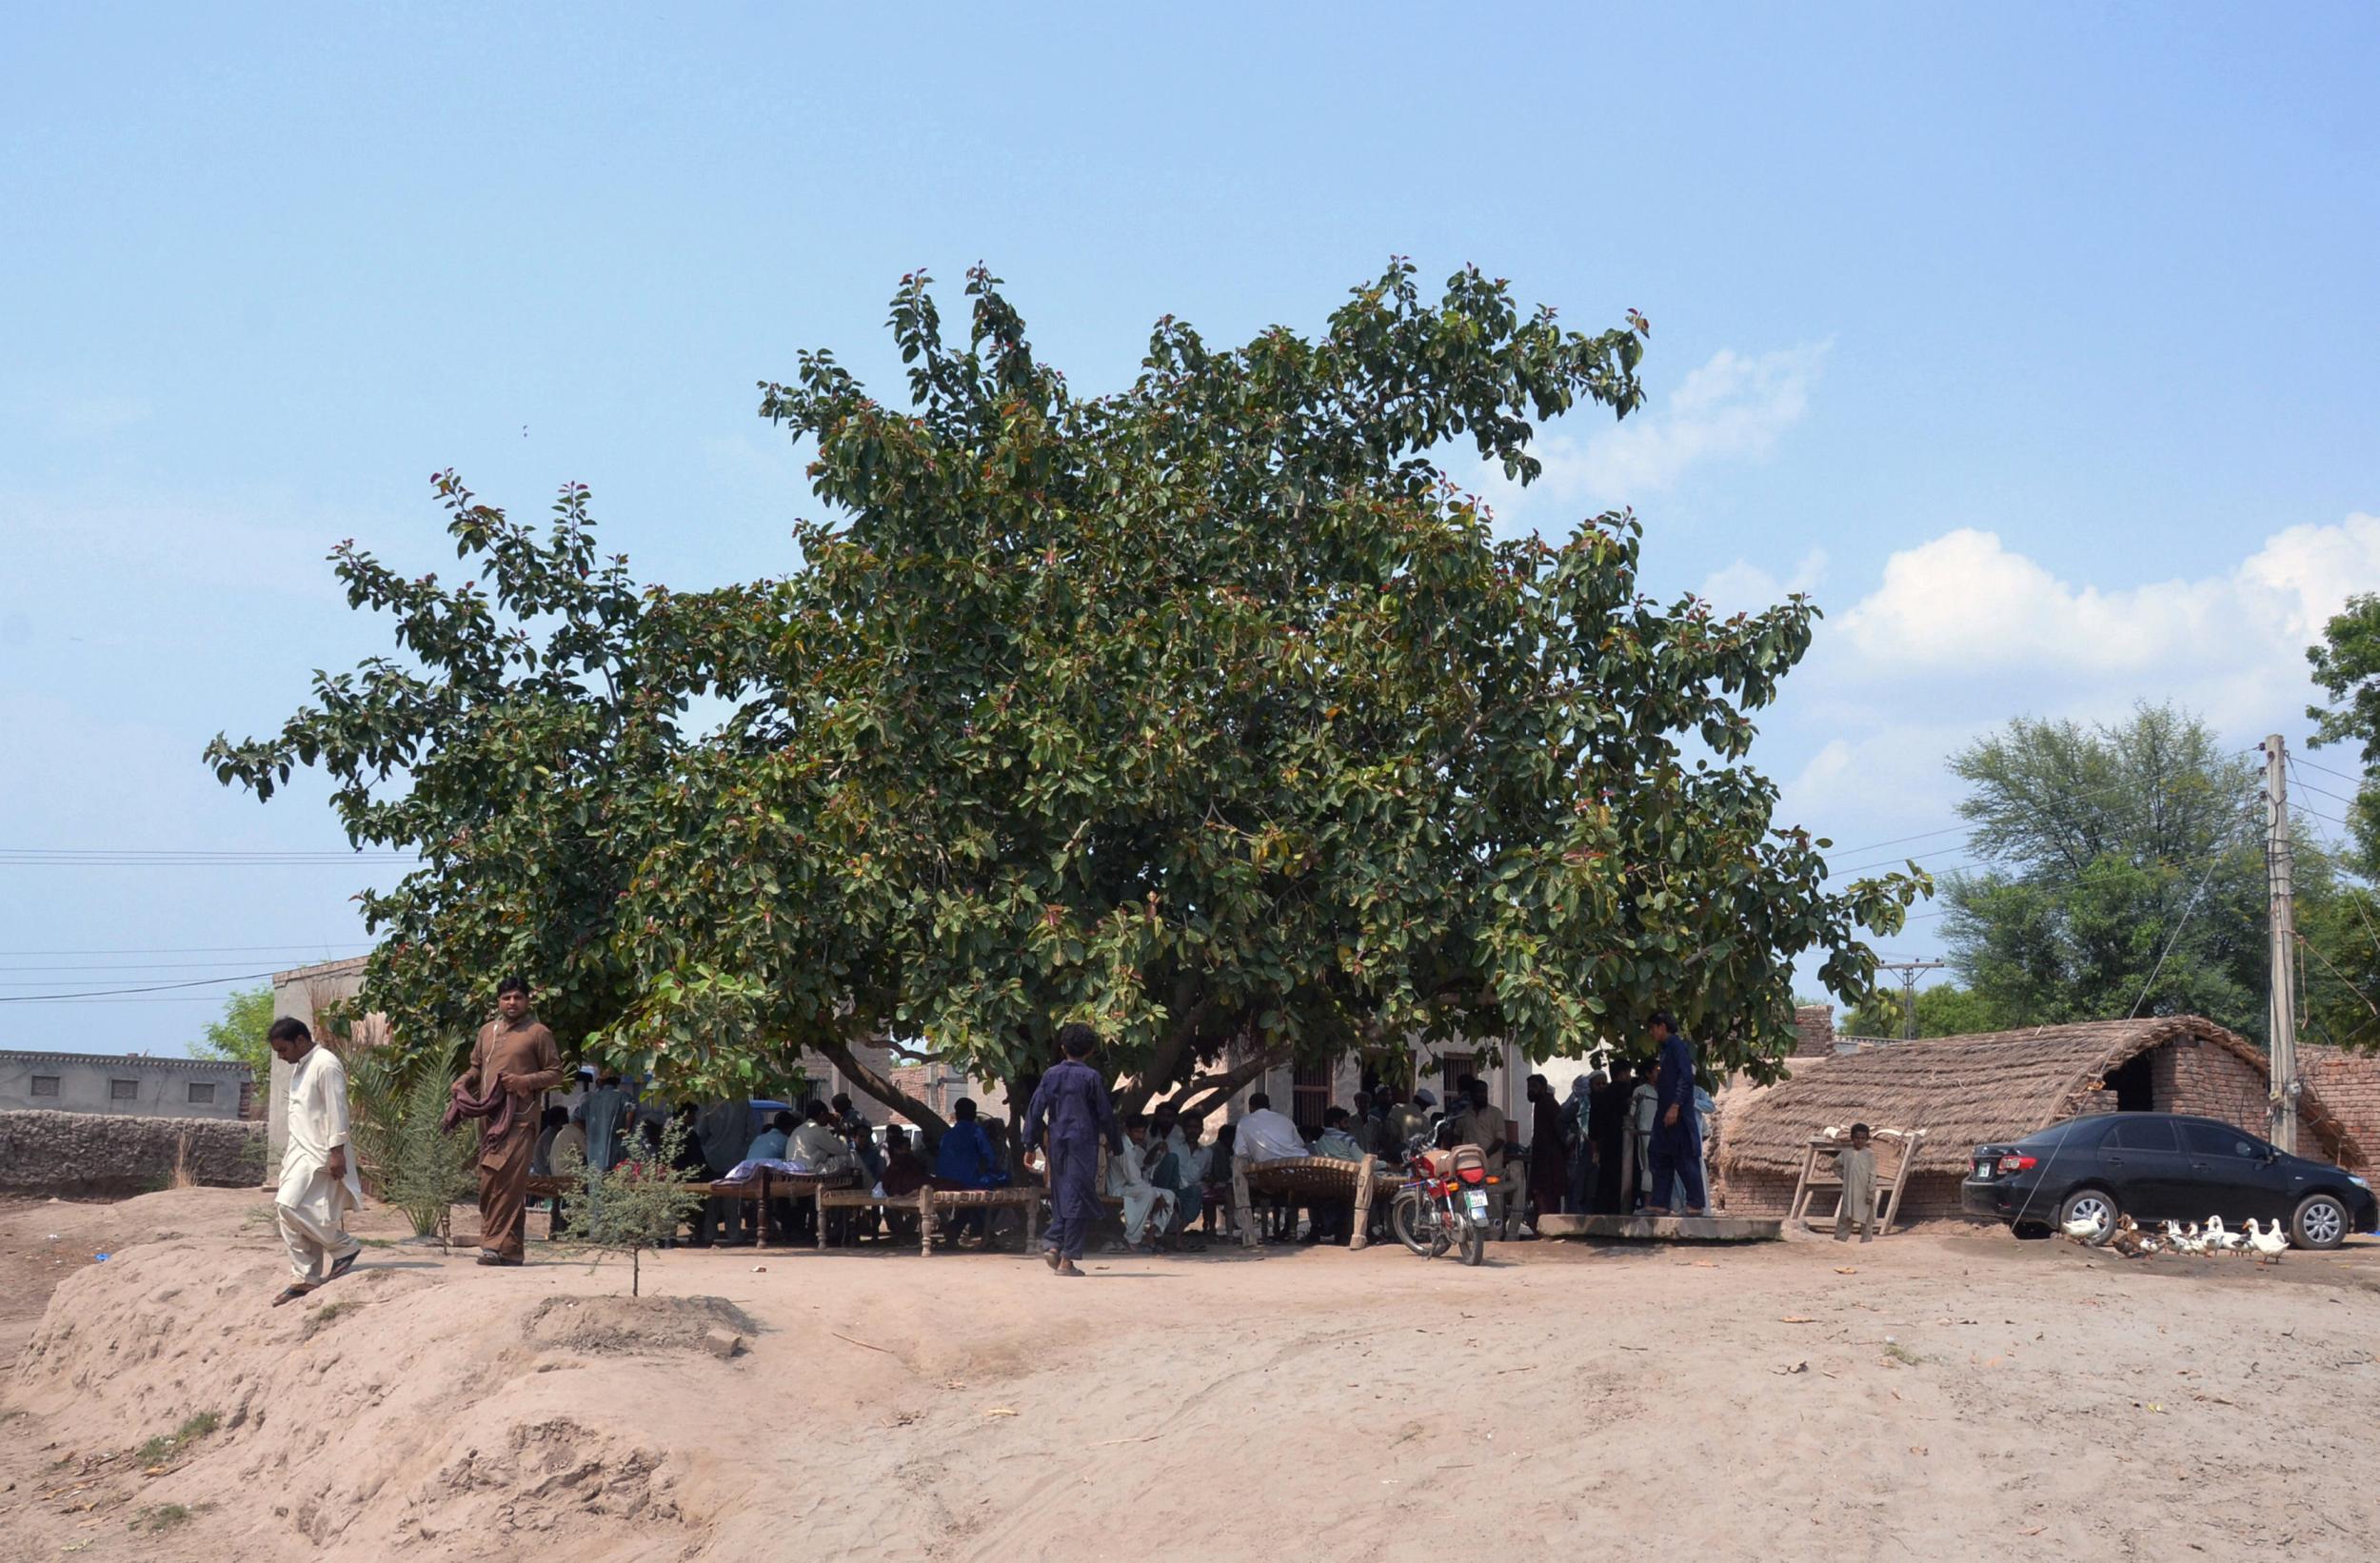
{"x":1549,"y":1159}
{"x":318,"y":1179}
{"x":1677,"y":1130}
{"x":609,"y":1110}
{"x":513,"y":1055}
{"x":1069,"y":1115}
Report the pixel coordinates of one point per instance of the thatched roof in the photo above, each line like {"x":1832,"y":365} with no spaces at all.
{"x":1964,"y":1091}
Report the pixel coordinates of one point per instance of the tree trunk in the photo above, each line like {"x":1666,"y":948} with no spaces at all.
{"x":877,"y":1085}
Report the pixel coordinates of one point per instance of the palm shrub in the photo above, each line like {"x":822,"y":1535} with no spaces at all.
{"x":411,"y":1162}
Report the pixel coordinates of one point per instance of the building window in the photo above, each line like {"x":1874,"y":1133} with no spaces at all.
{"x":1309,"y":1094}
{"x":202,"y":1091}
{"x":124,"y":1090}
{"x":44,"y":1085}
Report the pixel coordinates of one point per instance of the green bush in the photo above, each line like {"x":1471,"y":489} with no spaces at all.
{"x":635,"y":1206}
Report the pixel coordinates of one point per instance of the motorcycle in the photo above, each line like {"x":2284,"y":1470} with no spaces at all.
{"x":1442,"y":1203}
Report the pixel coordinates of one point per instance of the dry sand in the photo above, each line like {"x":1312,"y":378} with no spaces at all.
{"x":1955,"y":1396}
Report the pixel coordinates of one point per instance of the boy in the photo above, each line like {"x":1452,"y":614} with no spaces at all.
{"x":1856,"y":1166}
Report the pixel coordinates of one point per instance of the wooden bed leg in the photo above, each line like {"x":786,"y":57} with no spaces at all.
{"x":1032,"y":1225}
{"x":926,"y":1221}
{"x":762,"y":1211}
{"x":1365,"y":1172}
{"x":818,"y":1219}
{"x":1239,"y":1201}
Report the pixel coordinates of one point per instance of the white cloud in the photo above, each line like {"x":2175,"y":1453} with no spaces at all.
{"x":1734,"y":408}
{"x":1746,"y":587}
{"x":2231,"y":645}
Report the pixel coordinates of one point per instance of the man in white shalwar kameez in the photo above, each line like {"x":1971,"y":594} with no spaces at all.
{"x":1128,"y":1178}
{"x":319,"y":1184}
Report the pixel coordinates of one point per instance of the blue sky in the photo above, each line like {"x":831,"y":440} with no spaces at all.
{"x":2037,"y":341}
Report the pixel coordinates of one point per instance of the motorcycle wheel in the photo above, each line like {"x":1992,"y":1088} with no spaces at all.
{"x":1471,"y":1239}
{"x":1407,"y":1219}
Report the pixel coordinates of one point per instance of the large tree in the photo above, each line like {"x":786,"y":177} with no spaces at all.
{"x":2124,"y":873}
{"x":1210,"y":711}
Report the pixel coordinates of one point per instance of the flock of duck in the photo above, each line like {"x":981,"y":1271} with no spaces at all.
{"x":2267,"y":1243}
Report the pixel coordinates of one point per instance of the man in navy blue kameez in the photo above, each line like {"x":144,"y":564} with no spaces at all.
{"x":1677,"y":1130}
{"x":1069,"y":1116}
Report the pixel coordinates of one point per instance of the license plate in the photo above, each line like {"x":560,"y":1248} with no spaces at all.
{"x":1983,"y":1169}
{"x":1479,"y":1203}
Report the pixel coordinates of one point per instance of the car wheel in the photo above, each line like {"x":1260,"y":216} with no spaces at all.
{"x":2096,"y":1206}
{"x":2320,"y":1222}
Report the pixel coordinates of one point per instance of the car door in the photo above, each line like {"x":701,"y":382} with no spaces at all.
{"x":2233,"y":1175}
{"x":2141,"y":1160}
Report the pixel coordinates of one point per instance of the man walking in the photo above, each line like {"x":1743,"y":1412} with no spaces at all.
{"x":1677,"y":1130}
{"x":1070,"y":1114}
{"x":319,"y":1184}
{"x":512,"y":1061}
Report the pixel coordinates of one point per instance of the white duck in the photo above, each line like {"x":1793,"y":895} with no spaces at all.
{"x":2269,"y":1244}
{"x":2217,"y":1239}
{"x":2082,"y":1232}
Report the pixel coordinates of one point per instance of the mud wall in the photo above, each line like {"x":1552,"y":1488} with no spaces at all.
{"x":116,"y":1154}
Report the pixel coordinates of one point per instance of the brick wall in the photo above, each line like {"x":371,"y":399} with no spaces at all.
{"x":2348,"y":1084}
{"x":116,"y":1153}
{"x":1814,"y":1031}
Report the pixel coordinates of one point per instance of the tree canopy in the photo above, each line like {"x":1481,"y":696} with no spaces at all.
{"x":238,"y":1034}
{"x":1209,"y":711}
{"x":2125,"y":874}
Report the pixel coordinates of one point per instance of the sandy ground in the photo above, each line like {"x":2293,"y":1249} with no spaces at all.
{"x":1937,"y":1394}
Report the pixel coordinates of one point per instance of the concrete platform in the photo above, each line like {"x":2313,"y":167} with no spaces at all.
{"x":1666,"y":1229}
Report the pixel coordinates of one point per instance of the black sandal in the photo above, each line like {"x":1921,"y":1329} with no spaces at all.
{"x":291,"y":1293}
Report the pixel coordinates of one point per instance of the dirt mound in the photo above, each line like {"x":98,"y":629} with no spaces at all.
{"x":418,"y":1400}
{"x":632,"y":1325}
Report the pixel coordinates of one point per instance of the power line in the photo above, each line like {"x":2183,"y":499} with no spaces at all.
{"x":110,"y":993}
{"x":143,"y":966}
{"x":2296,"y":759}
{"x":204,"y":949}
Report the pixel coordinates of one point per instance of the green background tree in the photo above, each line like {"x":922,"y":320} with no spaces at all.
{"x":238,"y":1034}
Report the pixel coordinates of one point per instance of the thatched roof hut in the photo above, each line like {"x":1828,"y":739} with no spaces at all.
{"x":1964,"y":1091}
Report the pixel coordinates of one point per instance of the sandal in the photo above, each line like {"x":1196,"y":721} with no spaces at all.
{"x":340,"y":1267}
{"x":291,"y":1293}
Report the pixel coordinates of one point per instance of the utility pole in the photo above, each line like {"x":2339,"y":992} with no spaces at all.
{"x":1909,"y":970}
{"x":2283,"y":926}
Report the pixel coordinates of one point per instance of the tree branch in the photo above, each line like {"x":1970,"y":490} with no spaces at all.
{"x":1222,"y":1088}
{"x":838,"y":1053}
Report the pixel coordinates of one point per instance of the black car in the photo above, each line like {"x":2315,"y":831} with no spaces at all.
{"x":2158,"y":1167}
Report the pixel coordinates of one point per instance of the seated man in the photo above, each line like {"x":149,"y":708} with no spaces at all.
{"x":1333,"y":1220}
{"x":1178,"y":1161}
{"x":769,"y":1144}
{"x":819,"y":1145}
{"x":966,"y":1158}
{"x":1266,"y":1136}
{"x":1408,"y":1121}
{"x":904,"y":1173}
{"x":1127,"y":1180}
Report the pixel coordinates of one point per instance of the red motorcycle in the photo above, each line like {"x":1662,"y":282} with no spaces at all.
{"x":1444,"y":1201}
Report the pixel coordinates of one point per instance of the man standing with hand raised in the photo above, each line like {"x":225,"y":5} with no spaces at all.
{"x":512,"y":1061}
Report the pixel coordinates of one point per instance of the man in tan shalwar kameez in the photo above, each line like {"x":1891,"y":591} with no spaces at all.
{"x":514,"y":1053}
